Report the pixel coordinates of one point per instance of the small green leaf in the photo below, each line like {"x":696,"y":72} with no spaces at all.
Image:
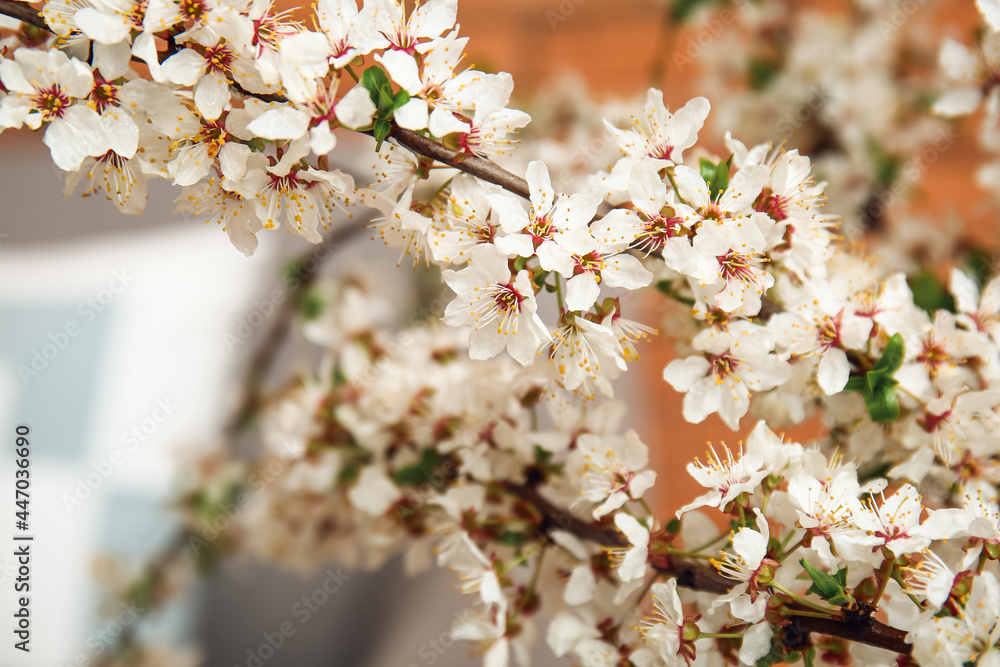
{"x":762,"y":72}
{"x":420,"y":472}
{"x":542,"y":456}
{"x":855,"y":383}
{"x":402,"y":97}
{"x":892,"y":356}
{"x":512,"y":538}
{"x":519,"y":263}
{"x":707,"y":169}
{"x":930,"y":294}
{"x":831,"y":588}
{"x":374,"y":79}
{"x":883,"y":404}
{"x":381,"y":130}
{"x":715,"y":175}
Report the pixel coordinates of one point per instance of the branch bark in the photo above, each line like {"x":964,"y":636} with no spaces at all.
{"x":23,"y":12}
{"x":701,"y":576}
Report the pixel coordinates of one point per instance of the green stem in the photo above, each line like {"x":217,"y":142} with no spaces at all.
{"x":720,"y":635}
{"x":884,"y":576}
{"x":670,"y":175}
{"x":786,"y":554}
{"x":707,"y":544}
{"x":645,"y":506}
{"x":827,"y":611}
{"x":559,"y":296}
{"x":353,"y":75}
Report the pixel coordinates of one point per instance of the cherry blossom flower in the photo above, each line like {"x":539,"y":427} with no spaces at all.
{"x":662,"y":631}
{"x":500,"y":310}
{"x":663,"y":137}
{"x":583,"y":357}
{"x":895,"y":522}
{"x":632,"y":565}
{"x":314,"y":115}
{"x":972,"y":637}
{"x":979,"y":313}
{"x":386,"y":25}
{"x":48,"y":88}
{"x":726,"y":479}
{"x":735,"y":363}
{"x":748,"y":564}
{"x":555,"y":227}
{"x":821,"y":326}
{"x":614,"y":470}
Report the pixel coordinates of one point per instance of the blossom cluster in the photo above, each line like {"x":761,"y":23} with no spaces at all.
{"x":490,"y":442}
{"x":238,"y":104}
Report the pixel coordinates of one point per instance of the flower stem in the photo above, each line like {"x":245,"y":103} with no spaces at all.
{"x":670,"y":175}
{"x":884,"y":576}
{"x":826,"y":611}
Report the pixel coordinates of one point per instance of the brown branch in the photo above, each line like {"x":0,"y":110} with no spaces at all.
{"x":481,"y":168}
{"x":23,"y":12}
{"x":701,"y":576}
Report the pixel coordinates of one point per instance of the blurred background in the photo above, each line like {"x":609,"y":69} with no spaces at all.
{"x":153,"y":370}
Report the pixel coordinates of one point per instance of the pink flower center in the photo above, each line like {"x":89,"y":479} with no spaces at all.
{"x":724,"y":365}
{"x":52,"y":102}
{"x":736,"y":266}
{"x":773,"y":204}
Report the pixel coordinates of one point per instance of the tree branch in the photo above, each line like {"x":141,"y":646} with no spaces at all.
{"x":701,"y":576}
{"x":23,"y":12}
{"x":481,"y":168}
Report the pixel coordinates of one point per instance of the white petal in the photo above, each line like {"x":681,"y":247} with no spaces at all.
{"x":355,"y":109}
{"x":280,"y":123}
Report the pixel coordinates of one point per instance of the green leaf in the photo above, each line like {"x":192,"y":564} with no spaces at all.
{"x":930,"y":294}
{"x":720,"y":183}
{"x":542,"y":456}
{"x":374,"y":79}
{"x":419,"y":472}
{"x":381,"y":130}
{"x":832,"y":588}
{"x":682,"y":10}
{"x":519,"y":263}
{"x":855,"y":383}
{"x":402,"y":97}
{"x":707,"y":169}
{"x":882,"y":404}
{"x":715,"y":175}
{"x":892,"y":356}
{"x":312,"y":305}
{"x":512,"y":538}
{"x":762,"y":72}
